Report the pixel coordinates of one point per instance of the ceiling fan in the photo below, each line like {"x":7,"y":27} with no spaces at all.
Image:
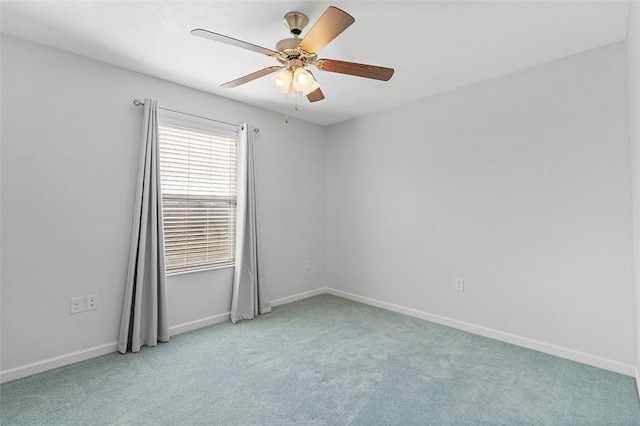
{"x":296,"y":54}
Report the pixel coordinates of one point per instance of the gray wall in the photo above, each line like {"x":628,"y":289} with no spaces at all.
{"x":520,"y":185}
{"x":633,"y":59}
{"x":70,"y":142}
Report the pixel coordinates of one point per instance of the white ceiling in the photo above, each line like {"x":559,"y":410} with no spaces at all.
{"x":434,"y":46}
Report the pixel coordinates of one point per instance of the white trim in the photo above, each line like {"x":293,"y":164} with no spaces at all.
{"x":299,"y":296}
{"x":56,"y":362}
{"x":85,"y":354}
{"x":562,"y":352}
{"x":593,"y":360}
{"x":638,"y":380}
{"x":182,"y":119}
{"x":203,"y":269}
{"x":201,"y":323}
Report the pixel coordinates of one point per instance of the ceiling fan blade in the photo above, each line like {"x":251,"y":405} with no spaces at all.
{"x":250,"y":77}
{"x":233,"y":42}
{"x":332,"y":22}
{"x":353,"y":68}
{"x":316,"y":95}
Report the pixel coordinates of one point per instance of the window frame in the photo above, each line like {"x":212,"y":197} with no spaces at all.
{"x":177,"y":119}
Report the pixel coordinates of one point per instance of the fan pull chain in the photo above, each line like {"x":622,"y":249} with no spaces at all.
{"x":296,"y":100}
{"x":286,"y":112}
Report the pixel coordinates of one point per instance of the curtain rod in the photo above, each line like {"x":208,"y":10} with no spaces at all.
{"x":138,"y":102}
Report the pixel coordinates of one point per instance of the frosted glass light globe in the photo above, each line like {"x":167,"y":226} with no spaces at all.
{"x":282,"y":81}
{"x":302,"y":80}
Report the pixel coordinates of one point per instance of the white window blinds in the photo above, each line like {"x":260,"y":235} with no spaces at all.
{"x":198,"y":171}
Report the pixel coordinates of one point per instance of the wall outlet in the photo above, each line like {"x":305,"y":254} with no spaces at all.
{"x":77,"y":305}
{"x":307,"y":265}
{"x":460,"y":284}
{"x":92,"y":302}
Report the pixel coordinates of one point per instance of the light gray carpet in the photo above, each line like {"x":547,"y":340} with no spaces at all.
{"x":324,"y":361}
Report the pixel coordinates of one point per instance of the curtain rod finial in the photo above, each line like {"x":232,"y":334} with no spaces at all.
{"x":137,"y":102}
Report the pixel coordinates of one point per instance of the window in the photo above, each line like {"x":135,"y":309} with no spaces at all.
{"x":198,"y":171}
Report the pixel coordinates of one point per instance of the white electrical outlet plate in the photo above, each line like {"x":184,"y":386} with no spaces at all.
{"x":460,"y":284}
{"x":92,"y":302}
{"x":77,"y":305}
{"x":307,"y":265}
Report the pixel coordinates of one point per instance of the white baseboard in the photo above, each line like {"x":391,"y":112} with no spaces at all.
{"x":85,"y":354}
{"x":593,"y":360}
{"x":638,"y":380}
{"x":299,"y":296}
{"x":194,"y":325}
{"x":55,"y":362}
{"x":205,"y":322}
{"x":573,"y":355}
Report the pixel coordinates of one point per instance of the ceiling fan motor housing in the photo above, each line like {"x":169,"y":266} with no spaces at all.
{"x":290,"y":50}
{"x":290,"y":53}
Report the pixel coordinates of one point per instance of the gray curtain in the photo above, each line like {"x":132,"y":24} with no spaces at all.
{"x":144,"y":312}
{"x":249,"y":294}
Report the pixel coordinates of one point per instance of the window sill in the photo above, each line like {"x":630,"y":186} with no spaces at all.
{"x":190,"y":271}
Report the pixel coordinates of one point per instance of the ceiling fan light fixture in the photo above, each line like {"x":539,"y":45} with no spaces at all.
{"x":282,"y":81}
{"x":302,"y":80}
